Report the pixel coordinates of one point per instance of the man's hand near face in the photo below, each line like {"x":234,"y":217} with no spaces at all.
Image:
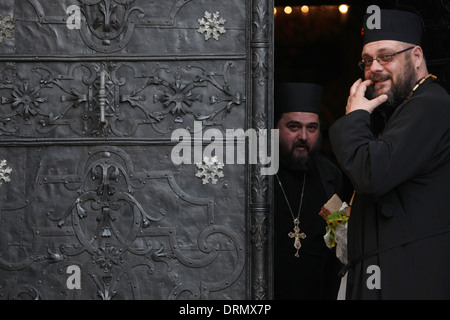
{"x":358,"y":101}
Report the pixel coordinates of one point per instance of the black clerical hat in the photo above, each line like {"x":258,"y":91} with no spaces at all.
{"x":395,"y":25}
{"x":297,"y":97}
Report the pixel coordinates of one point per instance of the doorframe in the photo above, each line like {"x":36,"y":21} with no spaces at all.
{"x":259,"y":188}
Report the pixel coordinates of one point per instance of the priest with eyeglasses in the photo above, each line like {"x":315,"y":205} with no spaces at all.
{"x":394,"y":145}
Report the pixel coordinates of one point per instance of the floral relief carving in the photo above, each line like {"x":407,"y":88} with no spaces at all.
{"x":25,"y":101}
{"x":177,"y":97}
{"x":48,"y":100}
{"x":108,"y":26}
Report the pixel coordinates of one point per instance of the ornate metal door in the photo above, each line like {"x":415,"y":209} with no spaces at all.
{"x":95,"y":202}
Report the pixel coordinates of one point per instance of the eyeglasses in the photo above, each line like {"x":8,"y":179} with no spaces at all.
{"x":382,"y":59}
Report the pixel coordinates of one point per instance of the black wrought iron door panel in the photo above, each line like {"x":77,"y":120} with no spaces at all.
{"x":125,"y":220}
{"x":119,"y":99}
{"x":136,"y":27}
{"x":93,"y":204}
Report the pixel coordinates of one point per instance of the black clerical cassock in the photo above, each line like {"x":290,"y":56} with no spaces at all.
{"x":400,"y":221}
{"x":314,"y":273}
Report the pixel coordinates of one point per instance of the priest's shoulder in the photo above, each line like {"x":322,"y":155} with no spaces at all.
{"x":434,"y":100}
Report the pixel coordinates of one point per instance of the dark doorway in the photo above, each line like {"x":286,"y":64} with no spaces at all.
{"x":321,"y":44}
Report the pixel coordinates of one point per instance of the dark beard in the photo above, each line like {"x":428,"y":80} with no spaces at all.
{"x":300,"y":163}
{"x":399,"y":91}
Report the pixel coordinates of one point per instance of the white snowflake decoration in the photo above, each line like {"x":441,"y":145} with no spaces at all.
{"x":211,"y":25}
{"x":4,"y":172}
{"x":209,"y":170}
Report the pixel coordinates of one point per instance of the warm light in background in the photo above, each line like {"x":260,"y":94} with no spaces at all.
{"x":343,"y":8}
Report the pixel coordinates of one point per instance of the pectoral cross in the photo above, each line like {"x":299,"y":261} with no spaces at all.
{"x":297,"y":235}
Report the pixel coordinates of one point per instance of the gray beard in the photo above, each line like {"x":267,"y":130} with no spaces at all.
{"x":399,"y":91}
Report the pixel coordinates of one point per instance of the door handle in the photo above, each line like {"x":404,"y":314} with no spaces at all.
{"x":102,"y":97}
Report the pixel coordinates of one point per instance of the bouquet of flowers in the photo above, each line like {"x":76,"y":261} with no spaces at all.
{"x":336,"y":213}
